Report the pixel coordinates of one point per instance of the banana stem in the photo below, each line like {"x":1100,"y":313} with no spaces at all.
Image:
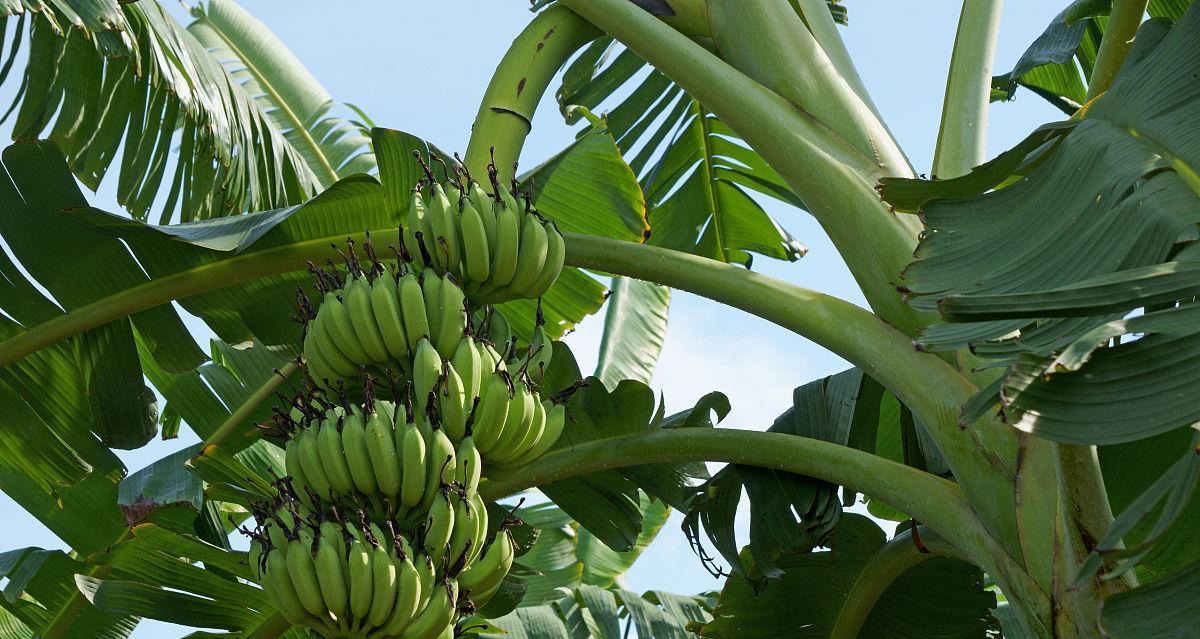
{"x":518,"y":84}
{"x":935,"y":501}
{"x":962,"y":137}
{"x":1123,"y":23}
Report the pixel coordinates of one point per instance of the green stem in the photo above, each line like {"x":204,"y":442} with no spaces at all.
{"x":820,"y":22}
{"x":895,"y":558}
{"x":834,"y":179}
{"x":771,"y":44}
{"x":962,"y":137}
{"x":936,"y":502}
{"x":239,"y":416}
{"x":1123,"y":23}
{"x":521,"y":78}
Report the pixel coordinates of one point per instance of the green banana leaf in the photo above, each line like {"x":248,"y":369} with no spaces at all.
{"x":332,"y":147}
{"x":139,"y":87}
{"x":1042,"y":299}
{"x":929,"y":596}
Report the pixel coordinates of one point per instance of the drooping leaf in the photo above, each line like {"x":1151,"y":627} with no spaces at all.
{"x":1038,"y":273}
{"x":332,"y":147}
{"x":1166,"y":608}
{"x":695,"y":172}
{"x":788,"y":512}
{"x":635,"y":326}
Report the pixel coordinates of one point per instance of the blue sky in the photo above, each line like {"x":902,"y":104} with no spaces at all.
{"x":422,"y":66}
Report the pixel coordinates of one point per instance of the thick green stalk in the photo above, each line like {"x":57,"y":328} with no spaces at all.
{"x":962,"y":138}
{"x":895,"y":558}
{"x":1123,"y":23}
{"x":834,"y":179}
{"x":980,"y":456}
{"x":820,"y":22}
{"x":936,"y":502}
{"x":521,"y":78}
{"x":771,"y":44}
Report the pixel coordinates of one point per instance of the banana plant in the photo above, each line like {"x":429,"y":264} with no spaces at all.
{"x":1019,"y":398}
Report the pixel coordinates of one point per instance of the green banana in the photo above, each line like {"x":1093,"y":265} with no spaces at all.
{"x":318,"y":366}
{"x":362,"y":318}
{"x":506,"y":248}
{"x":254,"y":559}
{"x":383,"y":586}
{"x":431,"y":290}
{"x":416,"y":223}
{"x":452,"y":399}
{"x":342,"y":330}
{"x":516,"y":425}
{"x":361,"y":579}
{"x":469,"y":465}
{"x":476,"y":256}
{"x":484,"y":204}
{"x":556,"y":253}
{"x":438,"y":613}
{"x":556,"y":419}
{"x":412,"y":305}
{"x":533,"y":432}
{"x":463,"y":532}
{"x":408,"y":598}
{"x":310,"y":461}
{"x":498,"y":330}
{"x":491,"y":567}
{"x":333,"y":457}
{"x":453,"y":321}
{"x":468,"y":363}
{"x":427,"y":573}
{"x":330,"y":578}
{"x":278,"y":585}
{"x":439,"y":526}
{"x":322,"y":329}
{"x":530,"y":258}
{"x":381,"y":448}
{"x":440,"y":212}
{"x":481,"y":527}
{"x":358,"y":455}
{"x":441,"y":464}
{"x":491,"y":413}
{"x":426,"y":369}
{"x":303,"y":572}
{"x":413,"y":467}
{"x":385,"y":304}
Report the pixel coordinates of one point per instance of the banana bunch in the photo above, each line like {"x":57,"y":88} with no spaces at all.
{"x":360,"y":582}
{"x":379,"y":317}
{"x":385,"y":454}
{"x":500,"y":249}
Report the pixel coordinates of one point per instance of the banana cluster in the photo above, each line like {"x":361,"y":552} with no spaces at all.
{"x":380,"y":318}
{"x":363,"y":582}
{"x":500,"y":248}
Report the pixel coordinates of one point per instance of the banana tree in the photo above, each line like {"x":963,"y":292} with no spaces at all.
{"x":1019,"y":397}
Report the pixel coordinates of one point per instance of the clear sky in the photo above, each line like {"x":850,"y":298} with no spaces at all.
{"x":422,"y":67}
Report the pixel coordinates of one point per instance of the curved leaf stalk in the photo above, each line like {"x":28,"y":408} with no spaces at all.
{"x":834,"y":179}
{"x":929,"y":386}
{"x":962,"y":136}
{"x":896,"y":557}
{"x":1122,"y":26}
{"x":239,"y":416}
{"x":820,"y":22}
{"x":506,"y":112}
{"x":931,"y":499}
